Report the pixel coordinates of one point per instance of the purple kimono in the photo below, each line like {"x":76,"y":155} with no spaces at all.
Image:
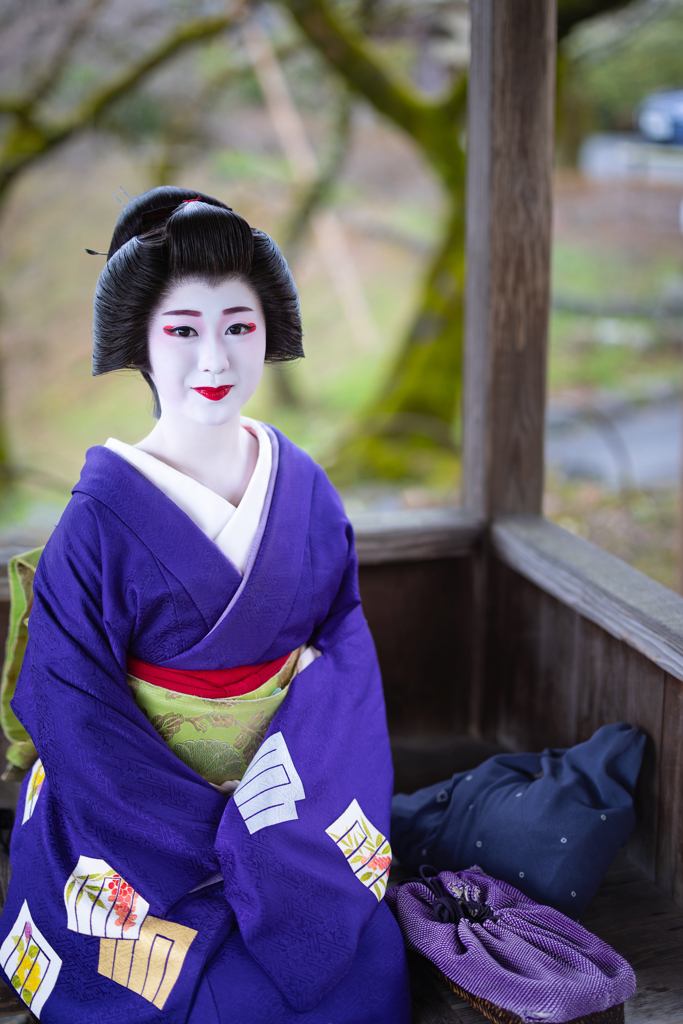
{"x":140,"y":893}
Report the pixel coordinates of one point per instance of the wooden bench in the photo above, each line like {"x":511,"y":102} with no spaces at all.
{"x":573,"y":638}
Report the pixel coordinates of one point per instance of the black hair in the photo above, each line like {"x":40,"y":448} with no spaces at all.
{"x":169,"y":234}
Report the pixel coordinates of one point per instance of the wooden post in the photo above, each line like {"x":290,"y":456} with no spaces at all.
{"x":509,"y":208}
{"x":509,"y":189}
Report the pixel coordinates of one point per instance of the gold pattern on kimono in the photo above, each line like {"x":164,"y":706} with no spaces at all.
{"x":252,"y":735}
{"x":151,"y":964}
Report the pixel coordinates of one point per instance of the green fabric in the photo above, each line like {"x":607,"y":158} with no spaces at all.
{"x":216,"y":738}
{"x":21,"y":754}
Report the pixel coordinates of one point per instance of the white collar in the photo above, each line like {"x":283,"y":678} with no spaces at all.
{"x":231,"y":527}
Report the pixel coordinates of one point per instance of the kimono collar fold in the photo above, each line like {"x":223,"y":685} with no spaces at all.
{"x":169,"y":533}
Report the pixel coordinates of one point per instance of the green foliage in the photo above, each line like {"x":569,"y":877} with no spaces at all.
{"x":407,"y":432}
{"x":31,"y":132}
{"x":76,"y":82}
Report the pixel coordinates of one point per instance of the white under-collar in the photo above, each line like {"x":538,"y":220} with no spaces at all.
{"x":232,"y":528}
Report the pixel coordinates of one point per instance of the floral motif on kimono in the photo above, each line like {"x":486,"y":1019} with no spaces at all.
{"x":35,"y":784}
{"x":366,"y":850}
{"x":29,"y":961}
{"x":99,"y":902}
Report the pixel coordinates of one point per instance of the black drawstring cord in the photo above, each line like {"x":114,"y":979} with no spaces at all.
{"x":448,"y":909}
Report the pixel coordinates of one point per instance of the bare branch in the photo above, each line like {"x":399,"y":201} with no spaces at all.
{"x":73,"y":36}
{"x":188,"y":34}
{"x":29,"y":138}
{"x":432,"y":125}
{"x":12,"y":104}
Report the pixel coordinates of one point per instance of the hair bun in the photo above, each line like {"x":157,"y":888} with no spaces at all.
{"x":152,"y":210}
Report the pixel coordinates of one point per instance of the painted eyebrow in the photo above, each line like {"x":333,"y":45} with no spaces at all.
{"x":195,"y":312}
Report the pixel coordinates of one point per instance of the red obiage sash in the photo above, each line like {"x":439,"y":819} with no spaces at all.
{"x":215,"y":683}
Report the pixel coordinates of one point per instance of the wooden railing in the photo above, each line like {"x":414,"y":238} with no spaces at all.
{"x":564,"y":638}
{"x":628,"y":605}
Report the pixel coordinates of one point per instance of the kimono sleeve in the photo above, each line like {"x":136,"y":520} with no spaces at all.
{"x":113,"y":789}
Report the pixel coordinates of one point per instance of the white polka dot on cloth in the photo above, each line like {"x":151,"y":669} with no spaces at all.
{"x":573,"y":893}
{"x":468,"y":778}
{"x":563,"y":840}
{"x":441,"y":796}
{"x":424,"y":853}
{"x":478,"y":842}
{"x":521,"y":874}
{"x":604,"y":817}
{"x":518,"y":794}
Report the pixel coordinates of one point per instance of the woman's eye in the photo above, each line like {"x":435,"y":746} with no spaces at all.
{"x":181,"y":332}
{"x":241,"y":328}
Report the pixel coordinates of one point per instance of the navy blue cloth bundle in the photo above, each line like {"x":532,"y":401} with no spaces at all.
{"x":550,"y":824}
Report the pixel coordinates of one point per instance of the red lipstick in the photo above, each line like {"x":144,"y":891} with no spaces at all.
{"x":214,"y":394}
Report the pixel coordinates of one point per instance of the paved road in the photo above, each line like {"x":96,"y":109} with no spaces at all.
{"x":613,"y":156}
{"x":633,"y":446}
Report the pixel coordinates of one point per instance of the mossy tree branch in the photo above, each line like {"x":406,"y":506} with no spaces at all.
{"x":434,"y":126}
{"x":414,"y":411}
{"x":31,"y":137}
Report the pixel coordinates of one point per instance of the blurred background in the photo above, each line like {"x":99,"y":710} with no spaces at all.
{"x":339,"y":127}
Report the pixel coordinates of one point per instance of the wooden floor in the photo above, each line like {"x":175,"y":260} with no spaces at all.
{"x":632,"y":915}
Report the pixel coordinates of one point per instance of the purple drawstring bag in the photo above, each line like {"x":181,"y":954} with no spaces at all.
{"x":507,"y":955}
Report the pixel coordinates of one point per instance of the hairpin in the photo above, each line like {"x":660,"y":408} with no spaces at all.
{"x":95,"y":252}
{"x":120,"y":201}
{"x":122,"y":189}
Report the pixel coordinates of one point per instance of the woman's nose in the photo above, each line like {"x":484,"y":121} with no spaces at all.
{"x":213,"y":355}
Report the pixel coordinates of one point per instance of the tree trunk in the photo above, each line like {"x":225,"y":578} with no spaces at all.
{"x":407,"y":433}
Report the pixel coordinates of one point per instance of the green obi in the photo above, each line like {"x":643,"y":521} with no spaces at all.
{"x":216,"y":738}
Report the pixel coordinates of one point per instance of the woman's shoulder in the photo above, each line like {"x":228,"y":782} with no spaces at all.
{"x":298,"y":462}
{"x":106,"y":475}
{"x":106,"y":481}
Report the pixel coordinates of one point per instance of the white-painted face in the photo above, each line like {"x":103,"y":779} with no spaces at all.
{"x":207,"y":344}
